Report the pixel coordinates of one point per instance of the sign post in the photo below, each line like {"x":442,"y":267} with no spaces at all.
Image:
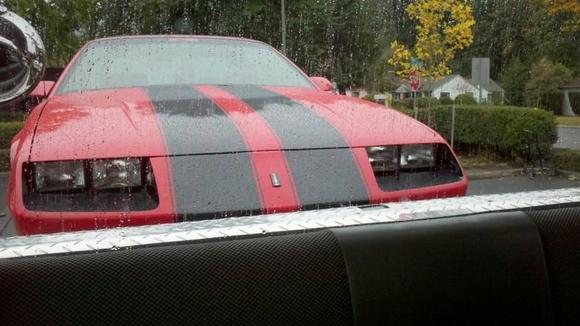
{"x":415,"y":83}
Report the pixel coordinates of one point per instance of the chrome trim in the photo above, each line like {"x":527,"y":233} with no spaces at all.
{"x":131,"y":237}
{"x":275,"y":180}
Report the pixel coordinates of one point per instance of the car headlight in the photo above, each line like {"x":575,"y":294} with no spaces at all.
{"x":105,"y":174}
{"x":417,"y":156}
{"x":411,"y":166}
{"x":59,"y":175}
{"x":116,"y":173}
{"x":383,"y":158}
{"x":394,"y":158}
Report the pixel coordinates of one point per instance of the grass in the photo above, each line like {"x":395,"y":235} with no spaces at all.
{"x":568,"y":121}
{"x":7,"y":130}
{"x":485,"y":161}
{"x":567,"y":159}
{"x":564,"y":159}
{"x":4,"y":160}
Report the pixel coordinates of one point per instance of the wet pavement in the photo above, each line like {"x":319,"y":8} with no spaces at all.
{"x":568,"y":137}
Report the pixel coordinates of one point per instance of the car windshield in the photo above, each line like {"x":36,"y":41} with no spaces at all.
{"x":131,"y":62}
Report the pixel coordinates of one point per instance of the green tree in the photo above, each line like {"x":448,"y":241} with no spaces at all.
{"x":509,"y":31}
{"x":545,"y":79}
{"x":513,"y":81}
{"x":345,"y":40}
{"x":63,"y":25}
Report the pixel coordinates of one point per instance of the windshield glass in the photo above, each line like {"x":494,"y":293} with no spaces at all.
{"x":127,"y":62}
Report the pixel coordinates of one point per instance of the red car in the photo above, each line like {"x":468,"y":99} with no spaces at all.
{"x":158,"y":129}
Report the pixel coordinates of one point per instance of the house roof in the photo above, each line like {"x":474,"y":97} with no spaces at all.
{"x":491,"y":86}
{"x":440,"y":82}
{"x":404,"y":88}
{"x":574,"y":83}
{"x":427,"y":85}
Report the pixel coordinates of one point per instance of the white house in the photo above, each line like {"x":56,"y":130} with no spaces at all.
{"x":481,"y":87}
{"x":487,"y":89}
{"x":446,"y":87}
{"x":451,"y":87}
{"x":356,"y":92}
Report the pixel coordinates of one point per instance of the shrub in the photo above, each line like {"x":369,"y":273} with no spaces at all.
{"x":369,"y":97}
{"x":422,"y":102}
{"x":465,"y":99}
{"x":402,"y":105}
{"x":4,"y":159}
{"x":567,"y":159}
{"x":12,"y":115}
{"x":7,"y":132}
{"x":445,"y":101}
{"x":495,"y":129}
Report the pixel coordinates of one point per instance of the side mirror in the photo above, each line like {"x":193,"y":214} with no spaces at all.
{"x":322,"y":83}
{"x":22,"y":57}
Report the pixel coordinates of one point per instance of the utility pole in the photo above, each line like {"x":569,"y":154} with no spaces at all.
{"x":283,"y":26}
{"x":452,"y":125}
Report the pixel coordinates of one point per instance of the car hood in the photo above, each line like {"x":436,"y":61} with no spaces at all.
{"x":190,"y":120}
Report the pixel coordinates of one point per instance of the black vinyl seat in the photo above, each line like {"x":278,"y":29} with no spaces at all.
{"x":502,"y":268}
{"x":560,"y":233}
{"x":472,"y":270}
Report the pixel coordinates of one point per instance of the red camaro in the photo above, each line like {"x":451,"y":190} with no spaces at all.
{"x":158,"y":129}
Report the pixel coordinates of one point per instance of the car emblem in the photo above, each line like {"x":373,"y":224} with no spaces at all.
{"x":275,"y":180}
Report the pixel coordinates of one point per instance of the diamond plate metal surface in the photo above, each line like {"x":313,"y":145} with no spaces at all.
{"x":130,"y":237}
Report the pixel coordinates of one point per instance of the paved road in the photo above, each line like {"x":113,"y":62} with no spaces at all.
{"x":568,"y":137}
{"x":518,"y":184}
{"x":476,"y":187}
{"x":6,"y":224}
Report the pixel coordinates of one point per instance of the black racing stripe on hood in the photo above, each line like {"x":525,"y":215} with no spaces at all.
{"x":212,"y":185}
{"x":296,"y":125}
{"x":192,"y":123}
{"x":324,"y":170}
{"x":327,"y":178}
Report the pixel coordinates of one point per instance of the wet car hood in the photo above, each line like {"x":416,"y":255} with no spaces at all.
{"x":185,"y":119}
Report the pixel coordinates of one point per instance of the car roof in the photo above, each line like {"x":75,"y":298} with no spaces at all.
{"x":176,"y":36}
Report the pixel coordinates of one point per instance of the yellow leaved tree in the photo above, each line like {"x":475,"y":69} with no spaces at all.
{"x":570,"y":8}
{"x":443,"y":27}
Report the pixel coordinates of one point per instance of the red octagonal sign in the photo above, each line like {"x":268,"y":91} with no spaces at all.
{"x":414,"y":80}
